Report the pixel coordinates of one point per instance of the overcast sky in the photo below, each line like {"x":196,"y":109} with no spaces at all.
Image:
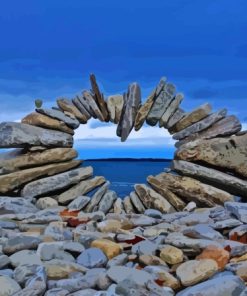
{"x":49,"y":48}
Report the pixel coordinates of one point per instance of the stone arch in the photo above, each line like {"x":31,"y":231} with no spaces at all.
{"x":210,"y":161}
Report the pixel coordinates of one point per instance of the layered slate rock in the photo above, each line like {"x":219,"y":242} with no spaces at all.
{"x":201,"y":125}
{"x":146,"y":107}
{"x":192,"y":117}
{"x":161,"y":103}
{"x":14,"y":180}
{"x":115,"y":106}
{"x":129,"y":111}
{"x":80,"y":189}
{"x":41,"y":120}
{"x":227,"y":126}
{"x":194,"y":190}
{"x":161,"y":188}
{"x":96,"y":198}
{"x":57,"y":114}
{"x":67,"y":105}
{"x":176,"y":117}
{"x":152,"y":199}
{"x":57,"y":182}
{"x":87,"y":100}
{"x":21,"y":160}
{"x":211,"y":176}
{"x":18,"y":135}
{"x":229,"y":153}
{"x":138,"y":205}
{"x":172,"y":108}
{"x":99,"y":99}
{"x":107,"y":201}
{"x":80,"y":106}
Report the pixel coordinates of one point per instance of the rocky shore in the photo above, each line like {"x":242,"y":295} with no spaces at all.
{"x":183,"y":233}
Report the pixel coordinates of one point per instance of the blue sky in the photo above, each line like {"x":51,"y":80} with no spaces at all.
{"x":48,"y":48}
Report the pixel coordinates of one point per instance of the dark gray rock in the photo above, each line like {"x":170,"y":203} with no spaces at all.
{"x":131,"y":105}
{"x":17,"y":135}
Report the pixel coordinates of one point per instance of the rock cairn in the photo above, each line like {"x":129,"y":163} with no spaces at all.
{"x":183,"y":233}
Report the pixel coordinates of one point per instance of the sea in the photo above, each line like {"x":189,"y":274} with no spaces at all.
{"x":123,"y":174}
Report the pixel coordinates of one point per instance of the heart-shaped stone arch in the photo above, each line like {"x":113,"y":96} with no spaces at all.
{"x":211,"y":160}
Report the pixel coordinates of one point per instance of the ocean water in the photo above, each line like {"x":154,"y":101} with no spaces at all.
{"x":124,"y":174}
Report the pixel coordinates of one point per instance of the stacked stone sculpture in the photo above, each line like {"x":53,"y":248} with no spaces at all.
{"x":183,"y":233}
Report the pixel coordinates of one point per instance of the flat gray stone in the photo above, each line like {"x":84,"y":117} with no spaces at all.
{"x":120,"y":273}
{"x":25,"y":257}
{"x":97,"y":197}
{"x":238,"y":209}
{"x":202,"y":231}
{"x":22,"y":242}
{"x":178,"y":240}
{"x":56,"y":182}
{"x":71,"y":122}
{"x":91,"y":258}
{"x":226,"y":286}
{"x":144,"y":248}
{"x":107,"y":201}
{"x":8,"y":286}
{"x":18,"y":135}
{"x":138,"y":205}
{"x":4,"y":260}
{"x":79,"y":203}
{"x":16,"y":205}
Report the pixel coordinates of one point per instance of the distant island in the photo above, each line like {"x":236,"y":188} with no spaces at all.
{"x":131,"y":159}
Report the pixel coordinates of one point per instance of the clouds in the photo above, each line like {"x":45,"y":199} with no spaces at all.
{"x":102,"y":142}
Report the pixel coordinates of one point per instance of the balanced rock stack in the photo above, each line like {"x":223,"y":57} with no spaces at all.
{"x":64,"y":232}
